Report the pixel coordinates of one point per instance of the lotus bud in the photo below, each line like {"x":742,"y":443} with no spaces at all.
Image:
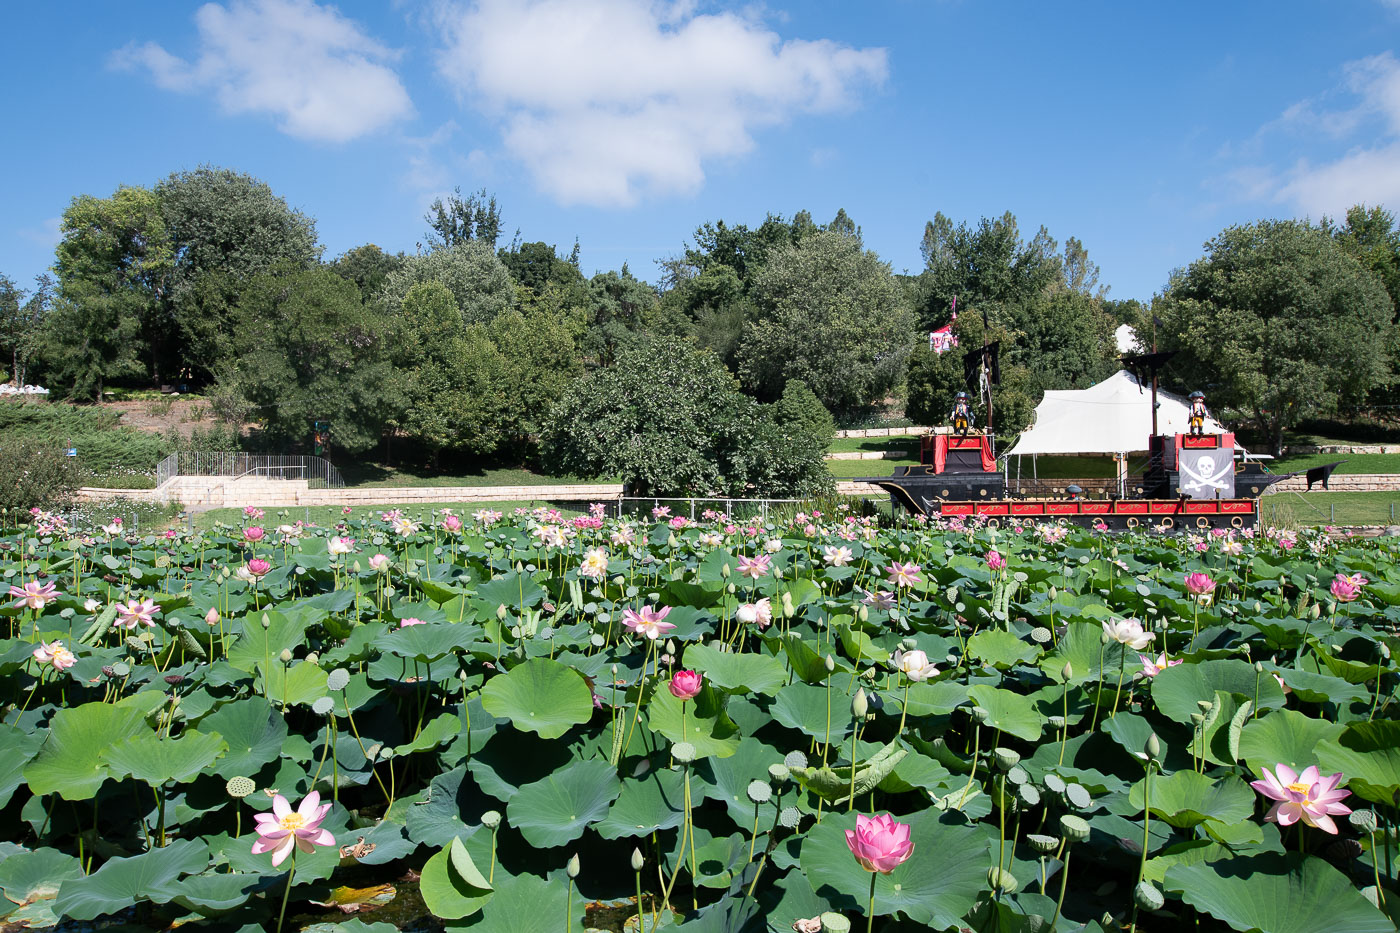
{"x":671,"y":646}
{"x":1074,"y":828}
{"x":671,"y":541}
{"x":1147,"y":897}
{"x":491,"y":819}
{"x":572,"y":867}
{"x":355,"y":566}
{"x":1154,"y":748}
{"x":637,"y":860}
{"x":1067,"y":672}
{"x":1258,"y":667}
{"x":1104,"y":638}
{"x":724,"y":571}
{"x":314,"y":658}
{"x":787,"y":605}
{"x":1316,"y":611}
{"x":266,"y":621}
{"x":859,"y":704}
{"x":286,"y":656}
{"x":1054,"y":594}
{"x":211,"y":618}
{"x":863,"y":613}
{"x":1006,"y":758}
{"x":501,"y":612}
{"x":830,"y":664}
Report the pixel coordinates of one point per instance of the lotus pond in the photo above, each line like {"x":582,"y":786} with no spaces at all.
{"x":538,"y":723}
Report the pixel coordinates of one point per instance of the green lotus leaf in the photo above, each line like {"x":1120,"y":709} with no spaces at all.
{"x":525,"y":903}
{"x":260,"y":647}
{"x":441,"y":815}
{"x":834,"y":782}
{"x":218,"y":893}
{"x":736,"y":672}
{"x":1368,"y":753}
{"x":71,"y":763}
{"x":122,"y":882}
{"x":1001,"y":649}
{"x":1274,"y":893}
{"x":815,"y":711}
{"x":706,"y":724}
{"x":1187,"y":798}
{"x":1177,"y":689}
{"x":1285,"y":736}
{"x":540,"y":696}
{"x":156,"y":760}
{"x":556,"y":810}
{"x":440,"y":729}
{"x":727,"y":779}
{"x":512,"y":590}
{"x":935,"y":886}
{"x":451,"y":885}
{"x":429,"y":643}
{"x":647,"y":804}
{"x":255,"y":734}
{"x":17,"y":749}
{"x":1080,"y":647}
{"x":26,"y":877}
{"x":1010,"y":712}
{"x":299,"y":684}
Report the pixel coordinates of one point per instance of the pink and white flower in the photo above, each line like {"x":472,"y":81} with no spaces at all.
{"x":1151,"y":668}
{"x":903,"y":574}
{"x":54,"y":653}
{"x":754,"y":567}
{"x":285,"y":829}
{"x":1308,"y":797}
{"x":648,"y":621}
{"x":133,"y":613}
{"x":879,"y":843}
{"x":759,"y":613}
{"x":34,"y":594}
{"x":914,"y":665}
{"x":837,"y":556}
{"x":1127,"y":632}
{"x":594,"y":565}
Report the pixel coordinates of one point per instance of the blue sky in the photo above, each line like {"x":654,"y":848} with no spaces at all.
{"x":1140,"y":128}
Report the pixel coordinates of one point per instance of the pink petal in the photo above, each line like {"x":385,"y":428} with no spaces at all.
{"x":1286,"y":775}
{"x":324,"y":838}
{"x":283,"y":850}
{"x":1268,"y":791}
{"x":309,"y":803}
{"x":1309,"y":776}
{"x":1323,"y":822}
{"x":273,"y":834}
{"x":281,"y":808}
{"x":1286,"y":813}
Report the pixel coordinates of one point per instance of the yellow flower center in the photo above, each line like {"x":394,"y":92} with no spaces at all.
{"x":1301,"y":788}
{"x":293,"y":821}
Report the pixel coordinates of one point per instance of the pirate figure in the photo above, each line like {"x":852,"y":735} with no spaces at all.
{"x":1199,"y":413}
{"x":961,"y":416}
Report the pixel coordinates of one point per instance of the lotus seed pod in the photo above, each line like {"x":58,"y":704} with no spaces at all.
{"x":1074,"y":828}
{"x":779,"y":772}
{"x":795,"y":759}
{"x":1002,"y":881}
{"x":1017,"y":775}
{"x":1364,"y":820}
{"x":637,"y":860}
{"x":386,"y":753}
{"x":1054,"y":783}
{"x":1077,"y":795}
{"x":870,"y":673}
{"x":1006,"y":758}
{"x":980,"y":714}
{"x":572,"y":867}
{"x":314,"y":658}
{"x":1043,"y":845}
{"x":390,"y":592}
{"x":338,"y":679}
{"x":240,"y":787}
{"x":859,"y":704}
{"x":1154,"y":748}
{"x":1205,"y":705}
{"x":830,"y":663}
{"x":1067,"y":672}
{"x":1040,"y":635}
{"x":909,"y":644}
{"x":323,"y":706}
{"x":491,"y":819}
{"x":1147,"y":897}
{"x":286,"y":656}
{"x":683,"y":752}
{"x":1056,"y":722}
{"x":790,"y":818}
{"x":759,"y":791}
{"x":834,"y":923}
{"x":1198,"y":718}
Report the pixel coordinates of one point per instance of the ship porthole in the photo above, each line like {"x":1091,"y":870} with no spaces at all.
{"x":1202,"y":521}
{"x":943,"y":494}
{"x":1168,"y":523}
{"x":993,"y":523}
{"x":1132,"y":523}
{"x":982,"y":492}
{"x":1236,"y":522}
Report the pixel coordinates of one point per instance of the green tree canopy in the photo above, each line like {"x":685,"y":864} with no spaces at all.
{"x":367,"y":266}
{"x":834,"y":318}
{"x":1279,"y":321}
{"x":480,"y":285}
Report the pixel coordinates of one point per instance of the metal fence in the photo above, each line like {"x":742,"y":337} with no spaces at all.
{"x":318,"y":472}
{"x":695,"y":509}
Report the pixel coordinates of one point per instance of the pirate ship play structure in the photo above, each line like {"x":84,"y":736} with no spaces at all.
{"x":1189,"y":479}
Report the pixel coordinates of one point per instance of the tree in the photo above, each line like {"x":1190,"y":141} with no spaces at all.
{"x":457,"y":220}
{"x":112,"y":264}
{"x":935,"y":378}
{"x":480,"y":285}
{"x":1278,"y":320}
{"x":1372,"y":236}
{"x":620,"y":308}
{"x":832,"y":317}
{"x":307,"y":349}
{"x":21,"y":320}
{"x":367,"y":266}
{"x":670,"y":420}
{"x":800,"y":411}
{"x":539,"y":360}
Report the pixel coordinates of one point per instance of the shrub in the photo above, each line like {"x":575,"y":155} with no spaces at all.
{"x":35,"y":473}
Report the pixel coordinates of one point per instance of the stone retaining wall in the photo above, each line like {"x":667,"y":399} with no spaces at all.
{"x":892,"y":432}
{"x":868,"y":455}
{"x":270,"y":496}
{"x":1347,"y":482}
{"x":1344,"y":449}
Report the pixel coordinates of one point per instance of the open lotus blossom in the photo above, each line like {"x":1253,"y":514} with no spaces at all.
{"x":685,"y":685}
{"x":34,"y":594}
{"x":379,"y":563}
{"x":451,"y":523}
{"x":754,"y":567}
{"x":759,"y":613}
{"x":881,"y":600}
{"x":624,"y":536}
{"x":915,"y":665}
{"x":595,"y":564}
{"x":254,"y":533}
{"x":995,"y":561}
{"x":648,"y":622}
{"x":405,"y":623}
{"x":879,"y":843}
{"x":113,"y":529}
{"x":1127,"y":632}
{"x":1308,"y":797}
{"x":338,"y":546}
{"x":903,"y":574}
{"x":258,"y":567}
{"x":837,"y":556}
{"x":133,"y":613}
{"x":1347,"y":588}
{"x":661,"y":511}
{"x":1199,"y":584}
{"x":54,"y":653}
{"x":285,"y":829}
{"x":403,"y":527}
{"x":1151,"y":668}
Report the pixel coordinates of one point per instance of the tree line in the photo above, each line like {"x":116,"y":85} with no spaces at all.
{"x":469,"y":348}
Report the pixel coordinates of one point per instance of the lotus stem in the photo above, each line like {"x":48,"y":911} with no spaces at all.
{"x":870,"y":912}
{"x":287,"y":893}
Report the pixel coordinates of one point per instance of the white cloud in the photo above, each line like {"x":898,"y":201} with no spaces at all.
{"x":1369,"y":172}
{"x":308,"y":66}
{"x":607,"y":101}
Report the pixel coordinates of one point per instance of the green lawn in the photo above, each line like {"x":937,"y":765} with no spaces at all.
{"x":909,"y":442}
{"x":378,"y":474}
{"x":1327,"y":508}
{"x":1355,"y":463}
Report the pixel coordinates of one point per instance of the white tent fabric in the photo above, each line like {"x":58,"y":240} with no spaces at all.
{"x":1112,"y":417}
{"x":1125,"y":339}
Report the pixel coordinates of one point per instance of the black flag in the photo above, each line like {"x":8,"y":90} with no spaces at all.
{"x":1322,"y":474}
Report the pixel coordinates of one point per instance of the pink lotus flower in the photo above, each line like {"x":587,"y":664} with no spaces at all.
{"x":34,"y":594}
{"x":253,"y":512}
{"x":648,"y":622}
{"x":903,"y":574}
{"x":879,"y":843}
{"x":211,"y":618}
{"x":259,"y":567}
{"x":661,"y":511}
{"x":995,"y":561}
{"x":254,"y":533}
{"x":1308,"y":797}
{"x":54,"y":653}
{"x":411,"y":621}
{"x":759,"y":613}
{"x":881,"y":600}
{"x":1345,"y":589}
{"x":685,"y":685}
{"x":1151,"y":668}
{"x":1199,"y":584}
{"x":337,"y":546}
{"x":1128,"y":632}
{"x":452,"y":523}
{"x":837,"y":556}
{"x":379,"y":563}
{"x":754,"y":567}
{"x":133,"y":613}
{"x":284,"y":828}
{"x":679,"y":522}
